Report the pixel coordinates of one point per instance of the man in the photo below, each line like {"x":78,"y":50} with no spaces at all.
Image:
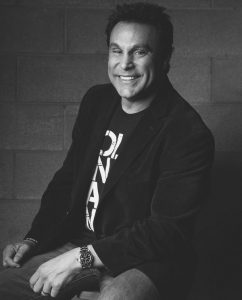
{"x":123,"y":205}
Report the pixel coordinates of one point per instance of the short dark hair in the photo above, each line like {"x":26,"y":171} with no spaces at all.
{"x":145,"y":13}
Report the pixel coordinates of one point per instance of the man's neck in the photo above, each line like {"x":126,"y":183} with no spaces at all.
{"x":132,"y":107}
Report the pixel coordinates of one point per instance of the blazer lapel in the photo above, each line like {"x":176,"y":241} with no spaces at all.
{"x":87,"y":166}
{"x":148,"y":126}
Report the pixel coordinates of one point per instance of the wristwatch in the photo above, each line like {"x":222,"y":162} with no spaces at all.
{"x":86,"y":259}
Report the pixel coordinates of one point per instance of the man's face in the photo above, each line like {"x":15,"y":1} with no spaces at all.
{"x":133,"y":63}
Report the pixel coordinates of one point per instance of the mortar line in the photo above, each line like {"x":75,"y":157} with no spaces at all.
{"x":63,"y":129}
{"x":65,"y":31}
{"x":211,"y":79}
{"x":16,"y":78}
{"x":14,"y":176}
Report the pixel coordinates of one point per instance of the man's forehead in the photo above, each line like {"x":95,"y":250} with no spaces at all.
{"x":133,"y":33}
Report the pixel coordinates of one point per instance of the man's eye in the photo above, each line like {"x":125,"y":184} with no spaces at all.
{"x":140,"y":52}
{"x":115,"y":51}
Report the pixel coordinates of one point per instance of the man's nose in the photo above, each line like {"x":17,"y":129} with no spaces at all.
{"x":126,"y":62}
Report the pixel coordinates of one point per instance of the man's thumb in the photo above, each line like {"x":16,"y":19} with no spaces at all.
{"x":19,"y":254}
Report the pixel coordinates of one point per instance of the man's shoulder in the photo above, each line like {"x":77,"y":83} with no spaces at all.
{"x":183,"y":117}
{"x":174,"y":107}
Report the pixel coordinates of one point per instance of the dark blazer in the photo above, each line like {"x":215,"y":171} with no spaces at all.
{"x":154,"y":190}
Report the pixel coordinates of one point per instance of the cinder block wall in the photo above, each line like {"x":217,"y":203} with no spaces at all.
{"x":51,"y":51}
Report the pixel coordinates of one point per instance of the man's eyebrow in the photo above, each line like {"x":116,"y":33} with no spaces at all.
{"x":144,"y":46}
{"x":134,"y":47}
{"x":114,"y":45}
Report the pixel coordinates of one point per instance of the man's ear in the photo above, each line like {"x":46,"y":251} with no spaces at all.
{"x":166,"y":66}
{"x":166,"y":63}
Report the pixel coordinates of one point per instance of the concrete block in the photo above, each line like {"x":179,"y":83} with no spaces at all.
{"x":191,"y":78}
{"x":182,"y":3}
{"x":31,"y":30}
{"x":112,"y":3}
{"x":227,"y":80}
{"x":7,"y":2}
{"x":6,"y":174}
{"x":227,"y":3}
{"x":207,"y":32}
{"x":39,"y":127}
{"x":7,"y":126}
{"x":86,"y":30}
{"x":70,"y":117}
{"x":60,"y":78}
{"x":7,"y":78}
{"x":15,"y":219}
{"x":34,"y":171}
{"x":225,"y":122}
{"x":42,"y":3}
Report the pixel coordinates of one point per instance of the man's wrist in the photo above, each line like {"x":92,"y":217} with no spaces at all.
{"x":31,"y":241}
{"x":85,"y":258}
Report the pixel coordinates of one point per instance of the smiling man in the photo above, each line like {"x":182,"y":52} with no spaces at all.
{"x":134,"y":65}
{"x":118,"y":216}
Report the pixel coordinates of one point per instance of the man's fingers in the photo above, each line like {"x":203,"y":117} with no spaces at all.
{"x":60,"y":282}
{"x":36,"y":282}
{"x":9,"y":251}
{"x":8,"y":254}
{"x":21,"y":251}
{"x":56,"y":286}
{"x":8,"y":262}
{"x":14,"y":253}
{"x":33,"y":279}
{"x":38,"y":286}
{"x":46,"y":288}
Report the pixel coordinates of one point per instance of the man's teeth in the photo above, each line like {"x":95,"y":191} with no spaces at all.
{"x":127,"y":77}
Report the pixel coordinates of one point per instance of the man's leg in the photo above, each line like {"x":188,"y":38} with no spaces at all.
{"x":14,"y":282}
{"x":130,"y":285}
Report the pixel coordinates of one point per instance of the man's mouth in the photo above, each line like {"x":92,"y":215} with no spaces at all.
{"x":128,"y":78}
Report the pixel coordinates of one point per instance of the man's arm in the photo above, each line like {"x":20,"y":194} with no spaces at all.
{"x":54,"y":202}
{"x":56,"y":199}
{"x":54,"y":274}
{"x":181,"y":188}
{"x":179,"y":191}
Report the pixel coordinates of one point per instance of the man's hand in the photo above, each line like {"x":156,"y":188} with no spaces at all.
{"x":13,"y":254}
{"x":54,"y":274}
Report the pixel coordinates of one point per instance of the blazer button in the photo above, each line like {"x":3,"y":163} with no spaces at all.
{"x":67,"y":213}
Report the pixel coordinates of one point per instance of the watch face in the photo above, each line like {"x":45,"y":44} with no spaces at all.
{"x":86,"y":258}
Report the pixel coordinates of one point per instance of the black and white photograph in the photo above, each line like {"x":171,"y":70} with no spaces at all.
{"x":121,"y":149}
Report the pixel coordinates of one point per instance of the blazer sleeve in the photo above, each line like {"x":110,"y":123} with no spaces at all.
{"x":182,"y":186}
{"x":56,"y":199}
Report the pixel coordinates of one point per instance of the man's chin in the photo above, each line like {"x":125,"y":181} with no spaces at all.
{"x":129,"y":98}
{"x":128,"y":95}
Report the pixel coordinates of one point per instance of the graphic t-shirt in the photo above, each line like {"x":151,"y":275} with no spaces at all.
{"x":120,"y":128}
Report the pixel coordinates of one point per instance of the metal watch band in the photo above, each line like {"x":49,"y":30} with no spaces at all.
{"x":86,"y":259}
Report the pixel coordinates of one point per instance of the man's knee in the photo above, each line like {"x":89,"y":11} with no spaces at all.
{"x":130,"y":285}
